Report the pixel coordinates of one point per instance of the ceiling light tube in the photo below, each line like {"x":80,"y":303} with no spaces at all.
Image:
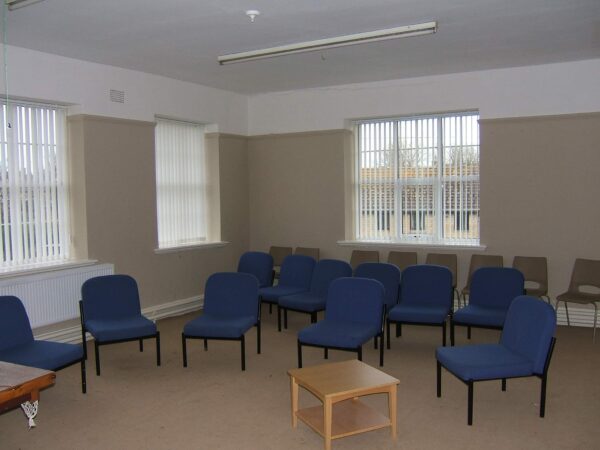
{"x":322,"y":44}
{"x":16,"y":4}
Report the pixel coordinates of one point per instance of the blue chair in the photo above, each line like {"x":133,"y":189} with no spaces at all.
{"x":231,"y":308}
{"x":525,"y":350}
{"x":295,"y":277}
{"x":425,"y":299}
{"x":18,"y":346}
{"x":491,"y":292}
{"x":110,"y":312}
{"x":353,"y":315}
{"x":259,"y":264}
{"x":313,"y":301}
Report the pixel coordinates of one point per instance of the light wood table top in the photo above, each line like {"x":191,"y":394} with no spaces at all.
{"x":19,"y":384}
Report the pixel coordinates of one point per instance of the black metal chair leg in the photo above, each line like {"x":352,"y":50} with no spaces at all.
{"x":97,"y":355}
{"x":470,"y":403}
{"x":299,"y":355}
{"x":326,"y":353}
{"x":285,"y":311}
{"x":398,"y":330}
{"x":381,"y":350}
{"x":313,"y":317}
{"x":468,"y":332}
{"x":278,"y":318}
{"x":243,"y":353}
{"x":439,"y":379}
{"x":375,"y":343}
{"x":543,"y":397}
{"x":258,"y":338}
{"x":158,"y":348}
{"x":359,"y":351}
{"x":205,"y":344}
{"x":451,"y":333}
{"x":387,"y":332}
{"x":444,"y":334}
{"x":83,"y":377}
{"x":141,"y":345}
{"x":184,"y":349}
{"x":503,"y":384}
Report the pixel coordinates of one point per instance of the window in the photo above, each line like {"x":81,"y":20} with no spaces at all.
{"x":418,"y":179}
{"x":34,"y":207}
{"x":180,"y":183}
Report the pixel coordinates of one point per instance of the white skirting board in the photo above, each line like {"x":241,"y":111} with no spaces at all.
{"x":72,"y":334}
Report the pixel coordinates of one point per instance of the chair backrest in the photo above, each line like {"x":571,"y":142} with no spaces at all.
{"x":586,"y":272}
{"x":387,"y":274}
{"x":534,"y":269}
{"x":479,"y":261}
{"x":449,"y":260}
{"x":259,"y":264}
{"x":15,"y":329}
{"x":528,"y":329}
{"x":496,"y":287}
{"x":325,"y":272}
{"x":362,"y":256}
{"x":357,"y":300}
{"x":296,"y":271}
{"x":428,"y":285}
{"x":231,"y":294}
{"x":402,"y":259}
{"x":307,"y":251}
{"x":110,"y":297}
{"x":279,"y":254}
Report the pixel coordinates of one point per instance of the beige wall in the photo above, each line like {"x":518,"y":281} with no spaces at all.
{"x":118,"y":179}
{"x":539,"y":191}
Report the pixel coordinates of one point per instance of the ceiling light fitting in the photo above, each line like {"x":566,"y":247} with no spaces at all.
{"x":16,"y":4}
{"x":322,"y":44}
{"x":252,"y":13}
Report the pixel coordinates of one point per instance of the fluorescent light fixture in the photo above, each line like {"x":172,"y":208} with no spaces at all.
{"x":322,"y":44}
{"x":16,"y":4}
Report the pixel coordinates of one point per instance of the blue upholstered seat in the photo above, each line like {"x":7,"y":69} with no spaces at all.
{"x":353,"y":315}
{"x":295,"y":277}
{"x":260,"y":265}
{"x":387,"y":274}
{"x":231,"y":308}
{"x":425,"y":298}
{"x":111,"y":313}
{"x":525,"y":349}
{"x":18,"y":346}
{"x":491,"y":292}
{"x":313,"y":301}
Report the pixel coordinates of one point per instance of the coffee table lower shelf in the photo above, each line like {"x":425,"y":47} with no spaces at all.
{"x":349,"y":417}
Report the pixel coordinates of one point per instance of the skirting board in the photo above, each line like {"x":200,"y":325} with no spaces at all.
{"x":72,"y":334}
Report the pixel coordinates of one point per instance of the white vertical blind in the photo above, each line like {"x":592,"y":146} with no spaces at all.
{"x":180,"y":183}
{"x":34,"y":211}
{"x":418,"y":179}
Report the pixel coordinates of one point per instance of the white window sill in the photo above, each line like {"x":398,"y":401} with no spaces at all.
{"x":184,"y":248}
{"x":413,"y":245}
{"x":46,"y":267}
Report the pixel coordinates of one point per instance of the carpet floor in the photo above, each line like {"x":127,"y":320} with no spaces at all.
{"x":212,"y":404}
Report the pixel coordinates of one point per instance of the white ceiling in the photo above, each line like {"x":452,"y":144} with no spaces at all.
{"x":182,"y":38}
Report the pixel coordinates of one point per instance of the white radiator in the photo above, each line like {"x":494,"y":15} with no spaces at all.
{"x":51,"y":297}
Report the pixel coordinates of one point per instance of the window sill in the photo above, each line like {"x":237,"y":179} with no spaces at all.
{"x":41,"y":268}
{"x":184,"y":248}
{"x":413,"y":246}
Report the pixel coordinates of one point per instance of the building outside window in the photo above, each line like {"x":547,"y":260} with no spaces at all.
{"x":34,"y":186}
{"x":418,"y":179}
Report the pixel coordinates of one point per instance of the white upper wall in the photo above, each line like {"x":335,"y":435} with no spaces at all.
{"x":564,"y":88}
{"x":85,"y":86}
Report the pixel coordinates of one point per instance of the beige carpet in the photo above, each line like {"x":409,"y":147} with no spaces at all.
{"x":214,"y":405}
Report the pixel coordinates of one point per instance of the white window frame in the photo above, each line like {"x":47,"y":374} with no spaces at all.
{"x":437,"y":239}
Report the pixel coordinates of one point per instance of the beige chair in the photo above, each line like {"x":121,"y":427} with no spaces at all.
{"x":449,"y":260}
{"x":586,"y":274}
{"x":307,"y":251}
{"x":402,"y":259}
{"x":535,"y":271}
{"x":477,"y":262}
{"x":362,"y":256}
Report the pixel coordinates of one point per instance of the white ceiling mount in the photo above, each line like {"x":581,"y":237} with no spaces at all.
{"x":340,"y":41}
{"x":16,"y":4}
{"x":252,"y":13}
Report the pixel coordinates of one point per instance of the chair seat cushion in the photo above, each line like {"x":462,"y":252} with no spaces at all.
{"x":271,"y":294}
{"x":43,"y":354}
{"x":483,"y":362}
{"x":337,"y":334}
{"x":418,"y":314}
{"x":478,"y":315}
{"x":118,"y":329}
{"x":208,"y":325}
{"x":305,"y":301}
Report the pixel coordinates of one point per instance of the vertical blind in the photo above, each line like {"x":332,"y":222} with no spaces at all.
{"x":180,"y":183}
{"x":418,"y":179}
{"x":34,"y":208}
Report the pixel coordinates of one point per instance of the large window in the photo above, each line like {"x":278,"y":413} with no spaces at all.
{"x":180,"y":183}
{"x":418,"y":179}
{"x":34,"y":207}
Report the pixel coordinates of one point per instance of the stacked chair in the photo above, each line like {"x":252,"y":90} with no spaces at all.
{"x":313,"y":301}
{"x":362,"y":256}
{"x":402,"y":260}
{"x":535,"y":271}
{"x":308,"y":251}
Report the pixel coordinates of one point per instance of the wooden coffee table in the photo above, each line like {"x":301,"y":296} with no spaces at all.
{"x":21,"y":385}
{"x":338,"y":386}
